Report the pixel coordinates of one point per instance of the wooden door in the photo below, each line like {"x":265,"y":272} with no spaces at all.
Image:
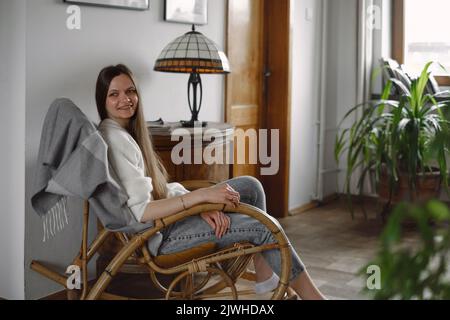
{"x":244,"y":96}
{"x":258,"y":88}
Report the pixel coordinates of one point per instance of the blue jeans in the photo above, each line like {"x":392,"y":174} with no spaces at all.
{"x":194,"y":231}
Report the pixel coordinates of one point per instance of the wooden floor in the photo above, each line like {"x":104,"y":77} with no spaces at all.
{"x":334,"y":247}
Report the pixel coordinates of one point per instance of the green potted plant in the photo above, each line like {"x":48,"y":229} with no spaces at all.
{"x":401,"y":143}
{"x":419,"y":270}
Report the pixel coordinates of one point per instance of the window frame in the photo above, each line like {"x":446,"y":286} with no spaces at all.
{"x":398,"y":37}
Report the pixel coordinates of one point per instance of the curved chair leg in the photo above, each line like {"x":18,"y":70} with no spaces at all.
{"x":196,"y":287}
{"x":114,"y":266}
{"x":201,"y":295}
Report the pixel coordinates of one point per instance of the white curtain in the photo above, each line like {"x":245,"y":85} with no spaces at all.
{"x":367,"y":16}
{"x":365,"y":46}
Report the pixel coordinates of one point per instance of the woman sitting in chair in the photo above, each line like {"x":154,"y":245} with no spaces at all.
{"x":143,"y":177}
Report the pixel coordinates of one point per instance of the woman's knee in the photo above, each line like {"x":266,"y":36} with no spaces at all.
{"x":252,"y":182}
{"x":251,"y":190}
{"x":248,"y":181}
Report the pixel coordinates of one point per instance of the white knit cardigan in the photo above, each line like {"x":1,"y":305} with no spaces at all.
{"x":126,"y":158}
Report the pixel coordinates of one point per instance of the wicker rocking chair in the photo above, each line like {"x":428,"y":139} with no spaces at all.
{"x":216,"y":270}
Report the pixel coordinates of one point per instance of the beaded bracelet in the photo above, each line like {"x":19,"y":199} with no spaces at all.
{"x":182,"y":201}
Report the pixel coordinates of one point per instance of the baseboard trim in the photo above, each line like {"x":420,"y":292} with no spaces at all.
{"x":304,"y":208}
{"x":330,"y":198}
{"x":313,"y":204}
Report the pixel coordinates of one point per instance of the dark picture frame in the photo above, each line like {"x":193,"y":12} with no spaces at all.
{"x":122,"y":4}
{"x":186,"y":11}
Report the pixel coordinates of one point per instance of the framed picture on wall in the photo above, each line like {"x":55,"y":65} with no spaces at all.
{"x":124,"y":4}
{"x":187,"y":11}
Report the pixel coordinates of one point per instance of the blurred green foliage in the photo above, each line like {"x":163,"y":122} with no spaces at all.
{"x":419,"y":270}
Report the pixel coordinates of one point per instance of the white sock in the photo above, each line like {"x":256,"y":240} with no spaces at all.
{"x":268,"y":285}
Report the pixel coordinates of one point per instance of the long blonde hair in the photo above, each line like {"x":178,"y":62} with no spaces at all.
{"x":137,"y":129}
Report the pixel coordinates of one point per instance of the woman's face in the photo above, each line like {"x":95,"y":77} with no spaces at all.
{"x":121,"y":100}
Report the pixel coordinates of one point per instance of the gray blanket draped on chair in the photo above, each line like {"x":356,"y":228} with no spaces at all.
{"x":73,"y":161}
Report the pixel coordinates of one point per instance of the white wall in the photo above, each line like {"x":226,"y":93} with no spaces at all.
{"x":66,"y":63}
{"x":306,"y":67}
{"x":342,"y":74}
{"x":12,"y":144}
{"x":340,"y":93}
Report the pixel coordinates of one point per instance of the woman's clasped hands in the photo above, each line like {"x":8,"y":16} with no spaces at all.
{"x":221,"y":193}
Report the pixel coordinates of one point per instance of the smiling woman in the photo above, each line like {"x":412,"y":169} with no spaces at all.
{"x":126,"y":4}
{"x":151,"y":197}
{"x":121,"y":100}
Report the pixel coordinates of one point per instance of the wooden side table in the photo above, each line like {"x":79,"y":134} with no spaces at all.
{"x":223,"y":137}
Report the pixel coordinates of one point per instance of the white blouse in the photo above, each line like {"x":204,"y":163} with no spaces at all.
{"x":126,"y":158}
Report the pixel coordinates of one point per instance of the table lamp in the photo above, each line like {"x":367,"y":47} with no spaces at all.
{"x":195,"y":54}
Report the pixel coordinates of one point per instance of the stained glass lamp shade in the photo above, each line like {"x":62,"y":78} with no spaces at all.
{"x":193,"y":53}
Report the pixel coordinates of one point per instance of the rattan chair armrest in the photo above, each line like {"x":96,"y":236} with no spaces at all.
{"x":272,"y":224}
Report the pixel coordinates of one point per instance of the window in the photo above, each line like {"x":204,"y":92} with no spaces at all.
{"x":421,"y":35}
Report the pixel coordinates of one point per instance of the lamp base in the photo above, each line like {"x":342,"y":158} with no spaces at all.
{"x":193,"y":124}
